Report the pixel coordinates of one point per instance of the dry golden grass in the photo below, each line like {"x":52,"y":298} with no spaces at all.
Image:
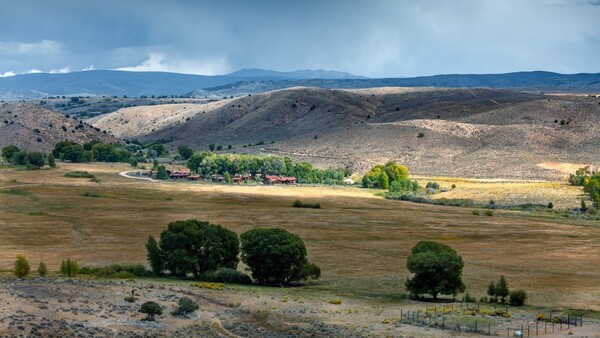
{"x":360,"y":241}
{"x":562,"y":195}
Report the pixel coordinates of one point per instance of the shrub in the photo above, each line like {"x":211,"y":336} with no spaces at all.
{"x":185,"y":306}
{"x":120,"y":271}
{"x":151,"y":309}
{"x":79,"y":174}
{"x":42,"y":270}
{"x":489,"y":213}
{"x":518,"y":297}
{"x":21,"y":267}
{"x":550,"y":205}
{"x":69,"y":268}
{"x":299,"y":204}
{"x":421,"y":134}
{"x":468,"y":298}
{"x":476,"y":212}
{"x":227,"y":275}
{"x":433,"y":185}
{"x":131,"y":299}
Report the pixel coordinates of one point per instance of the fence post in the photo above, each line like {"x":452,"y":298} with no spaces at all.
{"x":489,"y":329}
{"x":401,"y":315}
{"x":536,"y":327}
{"x":476,"y":331}
{"x":568,"y":321}
{"x":443,"y":321}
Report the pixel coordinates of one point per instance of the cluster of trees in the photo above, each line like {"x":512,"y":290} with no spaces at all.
{"x":389,"y":176}
{"x":438,"y":269}
{"x":208,"y":163}
{"x":22,"y":269}
{"x":500,"y":291}
{"x":92,"y":151}
{"x":33,"y":159}
{"x":274,"y":256}
{"x":590,"y":182}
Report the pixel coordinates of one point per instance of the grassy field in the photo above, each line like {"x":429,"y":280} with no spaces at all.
{"x":360,"y":241}
{"x":509,"y":192}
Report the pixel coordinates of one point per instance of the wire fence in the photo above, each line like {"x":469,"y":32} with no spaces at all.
{"x":486,"y":320}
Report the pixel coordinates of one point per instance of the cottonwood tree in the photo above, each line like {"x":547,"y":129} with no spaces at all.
{"x":193,"y":247}
{"x":276,"y":257}
{"x":437,"y":268}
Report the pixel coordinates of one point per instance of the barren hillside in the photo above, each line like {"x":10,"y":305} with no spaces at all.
{"x":137,"y":121}
{"x":31,"y":127}
{"x":465,"y":132}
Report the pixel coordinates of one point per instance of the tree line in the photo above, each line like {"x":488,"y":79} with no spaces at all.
{"x":30,"y":159}
{"x":92,"y":151}
{"x":208,"y":163}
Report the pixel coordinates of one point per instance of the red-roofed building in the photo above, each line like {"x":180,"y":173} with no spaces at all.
{"x":274,"y":179}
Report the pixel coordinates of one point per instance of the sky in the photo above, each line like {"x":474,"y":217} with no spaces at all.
{"x":374,"y":38}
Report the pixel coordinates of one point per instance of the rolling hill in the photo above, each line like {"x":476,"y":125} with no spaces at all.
{"x":248,"y":81}
{"x":31,"y":127}
{"x":465,"y":132}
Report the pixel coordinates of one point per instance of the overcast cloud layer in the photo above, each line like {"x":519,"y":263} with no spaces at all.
{"x":372,"y":38}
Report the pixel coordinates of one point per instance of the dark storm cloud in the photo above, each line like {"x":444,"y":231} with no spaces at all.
{"x":372,"y":38}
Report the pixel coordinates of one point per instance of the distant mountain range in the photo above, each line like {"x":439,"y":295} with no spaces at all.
{"x":255,"y":74}
{"x":248,"y":81}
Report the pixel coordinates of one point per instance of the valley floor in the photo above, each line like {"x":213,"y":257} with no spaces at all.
{"x":360,"y":241}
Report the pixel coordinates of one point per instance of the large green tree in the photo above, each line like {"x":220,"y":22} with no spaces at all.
{"x":437,"y":268}
{"x":8,"y":151}
{"x":276,"y":257}
{"x":185,"y":151}
{"x":193,"y":247}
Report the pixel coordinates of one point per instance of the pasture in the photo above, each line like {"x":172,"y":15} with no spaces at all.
{"x":359,"y":240}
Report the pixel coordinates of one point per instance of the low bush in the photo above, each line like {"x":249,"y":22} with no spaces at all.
{"x":468,"y":298}
{"x":299,"y":204}
{"x":21,"y":267}
{"x":208,"y":285}
{"x":184,"y":306}
{"x":518,"y":297}
{"x":227,"y":275}
{"x":489,"y":213}
{"x":151,"y":309}
{"x":42,"y":269}
{"x":119,"y":271}
{"x":79,"y":174}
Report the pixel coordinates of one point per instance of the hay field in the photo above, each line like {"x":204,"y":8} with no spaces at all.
{"x":508,"y":192}
{"x":360,"y":241}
